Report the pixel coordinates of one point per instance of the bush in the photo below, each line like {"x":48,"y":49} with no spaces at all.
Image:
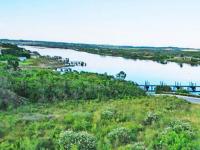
{"x":182,"y":91}
{"x":150,"y":118}
{"x":16,"y":51}
{"x":120,"y":136}
{"x":135,"y":146}
{"x":48,"y":86}
{"x":79,"y":120}
{"x":9,"y":99}
{"x":1,"y":133}
{"x":162,"y":89}
{"x":138,"y":146}
{"x":180,"y":126}
{"x":178,"y":135}
{"x":108,"y":114}
{"x":45,"y":144}
{"x":82,"y":140}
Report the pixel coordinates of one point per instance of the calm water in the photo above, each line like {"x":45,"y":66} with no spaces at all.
{"x":136,"y":70}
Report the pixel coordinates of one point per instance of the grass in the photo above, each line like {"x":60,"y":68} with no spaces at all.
{"x":129,"y":123}
{"x":40,"y":63}
{"x":145,"y":118}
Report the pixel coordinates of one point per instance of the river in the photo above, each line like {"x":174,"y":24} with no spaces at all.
{"x":137,"y":70}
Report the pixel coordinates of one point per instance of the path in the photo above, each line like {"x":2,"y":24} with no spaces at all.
{"x":187,"y":98}
{"x":190,"y":99}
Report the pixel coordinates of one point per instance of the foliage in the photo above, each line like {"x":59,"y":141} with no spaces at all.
{"x":82,"y":140}
{"x":119,"y":136}
{"x":182,"y":91}
{"x":47,"y":86}
{"x":121,"y":75}
{"x":1,"y":133}
{"x":44,"y":144}
{"x":80,"y":120}
{"x":150,"y":118}
{"x":7,"y":57}
{"x":162,"y":89}
{"x":14,"y":50}
{"x":72,"y":102}
{"x":158,"y":54}
{"x":178,"y":135}
{"x":13,"y":64}
{"x":135,"y":146}
{"x":9,"y":99}
{"x":40,"y":125}
{"x":107,"y":114}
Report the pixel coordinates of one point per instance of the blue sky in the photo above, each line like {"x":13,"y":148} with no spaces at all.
{"x":121,"y":22}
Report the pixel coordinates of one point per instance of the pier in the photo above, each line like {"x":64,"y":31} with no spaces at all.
{"x":191,"y":87}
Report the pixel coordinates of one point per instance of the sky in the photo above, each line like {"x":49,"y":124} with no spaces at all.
{"x":118,"y":22}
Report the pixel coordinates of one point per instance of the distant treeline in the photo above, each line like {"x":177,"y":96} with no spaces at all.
{"x":158,"y":54}
{"x":11,"y":51}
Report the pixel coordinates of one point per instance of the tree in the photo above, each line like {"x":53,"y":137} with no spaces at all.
{"x":13,"y":64}
{"x":121,"y":75}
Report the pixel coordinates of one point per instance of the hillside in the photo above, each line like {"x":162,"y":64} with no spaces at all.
{"x":41,"y":109}
{"x":126,"y":124}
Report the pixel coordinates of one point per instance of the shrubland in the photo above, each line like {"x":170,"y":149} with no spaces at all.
{"x":41,"y":109}
{"x":124,"y":124}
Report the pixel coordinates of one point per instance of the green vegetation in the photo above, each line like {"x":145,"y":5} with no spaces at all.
{"x":80,"y":140}
{"x":158,"y":54}
{"x":41,"y":109}
{"x":128,"y":123}
{"x":41,"y":62}
{"x":47,"y":86}
{"x":182,"y":91}
{"x":163,"y":89}
{"x":7,"y":57}
{"x":14,"y":50}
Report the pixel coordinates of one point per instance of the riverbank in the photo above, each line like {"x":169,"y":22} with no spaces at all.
{"x":137,"y":71}
{"x":158,"y":54}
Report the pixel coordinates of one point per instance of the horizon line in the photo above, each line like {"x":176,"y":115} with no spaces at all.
{"x":100,"y":44}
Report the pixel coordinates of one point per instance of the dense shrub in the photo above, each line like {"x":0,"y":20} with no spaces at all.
{"x":79,"y":120}
{"x":180,"y":126}
{"x":135,"y":146}
{"x":16,"y":51}
{"x":178,"y":135}
{"x":1,"y":133}
{"x":9,"y":99}
{"x":119,"y":136}
{"x":7,"y":57}
{"x":150,"y":118}
{"x":46,"y":144}
{"x":182,"y":91}
{"x":108,"y":114}
{"x":81,"y":140}
{"x":162,"y":89}
{"x":46,"y":85}
{"x":138,"y":146}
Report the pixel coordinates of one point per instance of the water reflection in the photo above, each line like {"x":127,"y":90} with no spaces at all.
{"x":136,"y":70}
